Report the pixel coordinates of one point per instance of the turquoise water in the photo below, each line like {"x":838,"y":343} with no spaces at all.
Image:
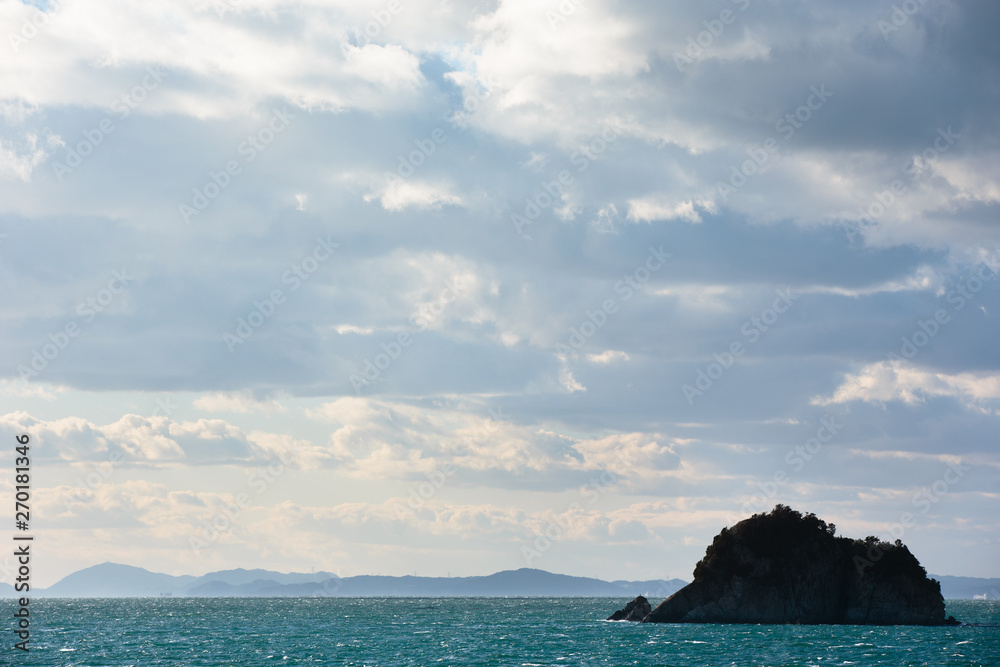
{"x":460,"y":631}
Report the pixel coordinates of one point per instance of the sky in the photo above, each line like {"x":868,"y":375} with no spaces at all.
{"x":400,"y":286}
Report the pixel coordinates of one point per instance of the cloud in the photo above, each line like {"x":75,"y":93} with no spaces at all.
{"x":651,"y":209}
{"x":239,"y":402}
{"x":20,"y":389}
{"x":399,"y":194}
{"x":607,"y":357}
{"x":343,"y":329}
{"x":161,"y":519}
{"x":270,"y":53}
{"x":20,"y":164}
{"x":379,"y":439}
{"x":924,"y":278}
{"x":800,"y":150}
{"x":149,"y":441}
{"x":887,"y":381}
{"x":569,"y":382}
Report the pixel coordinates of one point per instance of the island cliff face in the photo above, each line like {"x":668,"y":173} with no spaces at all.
{"x":784,"y":567}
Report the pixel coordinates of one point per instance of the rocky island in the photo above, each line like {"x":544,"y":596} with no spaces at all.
{"x":786,"y":567}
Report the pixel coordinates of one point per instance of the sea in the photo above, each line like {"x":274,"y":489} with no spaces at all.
{"x":525,"y":632}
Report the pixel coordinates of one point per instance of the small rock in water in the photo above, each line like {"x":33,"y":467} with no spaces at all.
{"x":635,"y":610}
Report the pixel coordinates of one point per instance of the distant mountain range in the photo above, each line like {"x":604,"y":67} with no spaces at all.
{"x":114,"y":580}
{"x":968,"y":588}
